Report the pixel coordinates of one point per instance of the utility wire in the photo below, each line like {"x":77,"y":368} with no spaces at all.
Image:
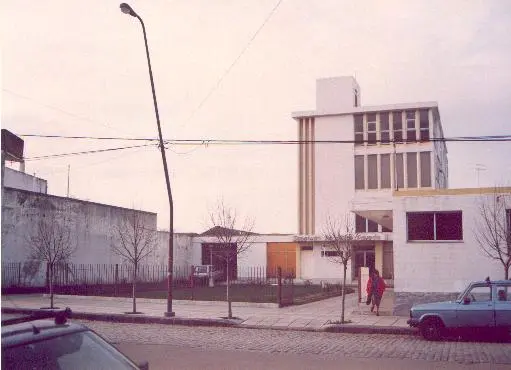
{"x":76,"y":116}
{"x":207,"y":142}
{"x":228,"y":70}
{"x":241,"y":141}
{"x":86,"y":152}
{"x":91,"y":137}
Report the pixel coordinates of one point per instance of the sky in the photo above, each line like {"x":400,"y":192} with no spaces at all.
{"x":230,"y":69}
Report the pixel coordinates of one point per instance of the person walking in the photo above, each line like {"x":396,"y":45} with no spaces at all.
{"x":375,"y":288}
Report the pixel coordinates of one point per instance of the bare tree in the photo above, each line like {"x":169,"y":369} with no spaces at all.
{"x":233,"y":239}
{"x":493,"y":228}
{"x":133,"y":241}
{"x":51,"y":242}
{"x":340,"y":237}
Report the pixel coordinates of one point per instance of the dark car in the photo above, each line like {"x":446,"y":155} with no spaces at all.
{"x":33,"y":343}
{"x":483,"y":307}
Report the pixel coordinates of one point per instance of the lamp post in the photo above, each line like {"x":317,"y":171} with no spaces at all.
{"x":125,"y":8}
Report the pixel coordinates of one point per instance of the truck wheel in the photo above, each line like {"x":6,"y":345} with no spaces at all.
{"x":432,"y":329}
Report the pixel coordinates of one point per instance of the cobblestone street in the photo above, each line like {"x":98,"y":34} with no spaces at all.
{"x":313,"y":343}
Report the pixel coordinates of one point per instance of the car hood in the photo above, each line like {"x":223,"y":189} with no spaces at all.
{"x":447,"y":305}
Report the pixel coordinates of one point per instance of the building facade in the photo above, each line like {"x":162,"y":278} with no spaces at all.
{"x":351,"y":160}
{"x":437,"y":241}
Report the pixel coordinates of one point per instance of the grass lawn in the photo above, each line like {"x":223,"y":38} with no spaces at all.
{"x":246,"y":293}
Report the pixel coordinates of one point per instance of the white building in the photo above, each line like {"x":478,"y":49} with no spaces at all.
{"x":361,"y":161}
{"x":353,"y":158}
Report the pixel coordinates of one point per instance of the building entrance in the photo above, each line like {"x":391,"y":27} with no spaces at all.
{"x":363,"y":258}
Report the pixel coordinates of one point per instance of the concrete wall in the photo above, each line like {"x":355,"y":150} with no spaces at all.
{"x":334,"y":94}
{"x":23,"y":181}
{"x":183,"y":251}
{"x":335,"y":173}
{"x":91,"y":224}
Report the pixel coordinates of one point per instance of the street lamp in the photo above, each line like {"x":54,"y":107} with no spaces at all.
{"x":125,"y":8}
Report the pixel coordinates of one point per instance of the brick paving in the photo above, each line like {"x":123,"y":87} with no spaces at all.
{"x":298,"y":342}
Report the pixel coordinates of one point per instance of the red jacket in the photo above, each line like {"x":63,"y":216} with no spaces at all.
{"x":380,"y":289}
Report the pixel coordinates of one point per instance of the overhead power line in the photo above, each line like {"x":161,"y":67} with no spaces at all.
{"x":208,"y":142}
{"x":229,"y":69}
{"x":86,"y":152}
{"x":242,"y":141}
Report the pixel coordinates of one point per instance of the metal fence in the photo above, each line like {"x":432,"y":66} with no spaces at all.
{"x":35,"y":274}
{"x":116,"y":280}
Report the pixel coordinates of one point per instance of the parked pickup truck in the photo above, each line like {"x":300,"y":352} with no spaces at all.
{"x":483,"y":306}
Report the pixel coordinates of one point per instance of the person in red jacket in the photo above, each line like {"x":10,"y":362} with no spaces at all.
{"x":375,"y":288}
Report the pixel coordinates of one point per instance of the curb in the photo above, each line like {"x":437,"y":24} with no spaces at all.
{"x":135,"y":319}
{"x":362,"y":329}
{"x":233,"y":323}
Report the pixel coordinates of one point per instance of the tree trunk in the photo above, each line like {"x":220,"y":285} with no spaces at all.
{"x":50,"y":282}
{"x":229,"y":306}
{"x":343,"y":290}
{"x":134,"y":296}
{"x":506,"y":273}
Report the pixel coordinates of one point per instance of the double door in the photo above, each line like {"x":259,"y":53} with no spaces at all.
{"x":363,"y":258}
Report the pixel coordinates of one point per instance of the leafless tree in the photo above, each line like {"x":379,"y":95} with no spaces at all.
{"x":133,"y":242}
{"x":233,"y":239}
{"x":51,"y":242}
{"x":340,"y":237}
{"x":493,"y":228}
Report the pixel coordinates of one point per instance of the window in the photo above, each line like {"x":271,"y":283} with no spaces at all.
{"x":411,"y":168}
{"x":425,"y":166}
{"x":372,"y":227}
{"x":306,"y":248}
{"x":330,"y":254}
{"x":359,"y":129}
{"x":397,"y":126}
{"x":503,"y":293}
{"x":400,"y":177}
{"x":384,"y":128}
{"x":479,"y":293}
{"x":359,"y":172}
{"x":364,"y":225}
{"x":448,"y":226}
{"x":385,"y":171}
{"x":371,"y":128}
{"x":410,"y":126}
{"x":424,"y":124}
{"x":355,"y":96}
{"x":360,"y":224}
{"x":372,"y":171}
{"x":435,"y":225}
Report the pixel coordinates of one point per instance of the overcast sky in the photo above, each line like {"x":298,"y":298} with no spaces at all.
{"x":79,"y":68}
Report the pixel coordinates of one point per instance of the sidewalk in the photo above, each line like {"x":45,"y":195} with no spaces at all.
{"x":316,"y":316}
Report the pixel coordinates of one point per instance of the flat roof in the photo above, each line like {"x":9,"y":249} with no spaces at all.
{"x":460,"y":191}
{"x":364,"y":109}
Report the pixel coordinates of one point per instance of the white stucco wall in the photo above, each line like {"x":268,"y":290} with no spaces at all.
{"x":20,"y":180}
{"x":326,"y":270}
{"x":335,"y":174}
{"x":334,"y":94}
{"x":440,"y":266}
